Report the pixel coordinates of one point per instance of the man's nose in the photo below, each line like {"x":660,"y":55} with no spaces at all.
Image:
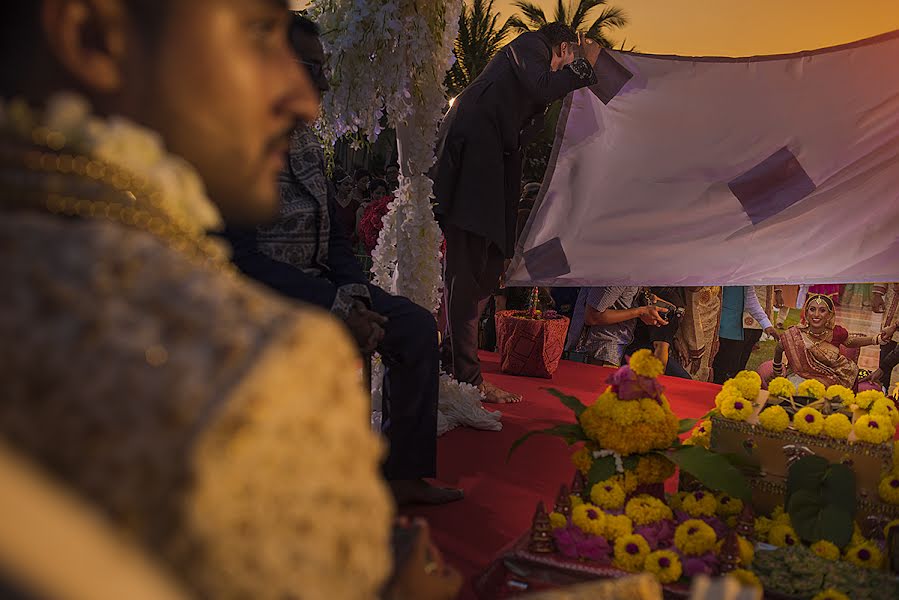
{"x":302,"y":98}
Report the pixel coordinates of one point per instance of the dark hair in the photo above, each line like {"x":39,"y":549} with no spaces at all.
{"x":360,"y":173}
{"x":375,"y":184}
{"x":301,"y":26}
{"x":557,"y":33}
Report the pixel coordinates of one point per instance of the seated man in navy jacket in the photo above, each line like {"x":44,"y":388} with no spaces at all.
{"x":305,"y":255}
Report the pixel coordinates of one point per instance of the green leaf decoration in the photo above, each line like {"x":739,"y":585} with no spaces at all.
{"x":602,"y":469}
{"x":712,"y":470}
{"x":570,"y":432}
{"x":807,"y":473}
{"x":630,"y":462}
{"x":571,"y":402}
{"x":821,"y":500}
{"x":686,"y":425}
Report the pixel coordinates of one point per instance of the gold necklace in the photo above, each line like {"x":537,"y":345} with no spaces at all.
{"x":127,"y":200}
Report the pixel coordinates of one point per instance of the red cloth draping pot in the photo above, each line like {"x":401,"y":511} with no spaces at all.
{"x":529,"y":347}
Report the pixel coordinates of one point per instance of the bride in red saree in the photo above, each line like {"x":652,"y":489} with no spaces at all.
{"x":813,"y":347}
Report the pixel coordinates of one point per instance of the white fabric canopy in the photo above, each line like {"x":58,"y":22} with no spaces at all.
{"x":717,"y":171}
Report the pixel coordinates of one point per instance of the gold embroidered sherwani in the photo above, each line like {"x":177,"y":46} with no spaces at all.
{"x":223,"y":429}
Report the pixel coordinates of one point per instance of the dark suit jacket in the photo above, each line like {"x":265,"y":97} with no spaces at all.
{"x":478,"y":171}
{"x":343,"y":267}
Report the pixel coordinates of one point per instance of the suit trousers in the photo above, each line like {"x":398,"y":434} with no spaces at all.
{"x":411,"y":386}
{"x":472,"y":269}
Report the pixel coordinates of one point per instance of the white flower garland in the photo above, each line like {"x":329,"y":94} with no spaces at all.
{"x":389,"y":58}
{"x":122,"y":143}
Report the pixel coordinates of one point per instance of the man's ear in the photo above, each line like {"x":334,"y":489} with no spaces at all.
{"x":87,"y":37}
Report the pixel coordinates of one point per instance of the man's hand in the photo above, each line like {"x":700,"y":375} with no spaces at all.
{"x":887,"y":334}
{"x":653,"y":315}
{"x":877,"y":303}
{"x":367,"y":327}
{"x":773,"y":333}
{"x":590,"y":49}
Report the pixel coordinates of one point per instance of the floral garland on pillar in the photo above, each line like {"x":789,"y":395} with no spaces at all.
{"x":388,"y":59}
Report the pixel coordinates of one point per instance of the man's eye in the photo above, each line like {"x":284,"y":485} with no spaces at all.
{"x":266,"y":29}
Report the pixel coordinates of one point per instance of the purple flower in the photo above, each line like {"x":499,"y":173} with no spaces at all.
{"x":809,"y":418}
{"x":705,"y":564}
{"x":658,"y":535}
{"x":738,"y":405}
{"x":894,"y":483}
{"x":630,"y":386}
{"x":574,"y":543}
{"x":873,"y":425}
{"x":664,"y":562}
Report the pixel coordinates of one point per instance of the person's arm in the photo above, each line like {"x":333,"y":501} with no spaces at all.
{"x":878,"y":291}
{"x":598,"y":312}
{"x":778,"y":359}
{"x":531,"y":56}
{"x":754,"y":307}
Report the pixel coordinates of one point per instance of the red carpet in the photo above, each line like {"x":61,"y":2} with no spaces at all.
{"x":501,"y":496}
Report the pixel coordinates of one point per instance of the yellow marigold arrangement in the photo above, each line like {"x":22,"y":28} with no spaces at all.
{"x":617,"y":526}
{"x":736,"y":408}
{"x":557,"y":520}
{"x":774,"y":418}
{"x":808,"y":420}
{"x":782,"y":535}
{"x":582,"y":459}
{"x":665,"y":565}
{"x":763,"y":527}
{"x":629,"y":426}
{"x":866,"y":555}
{"x":889,"y":527}
{"x":830,"y":594}
{"x":728,"y":506}
{"x":694,"y":537}
{"x":747,"y":551}
{"x":700,"y":504}
{"x":588,"y":518}
{"x":841,"y":393}
{"x":780,"y":515}
{"x":812,"y":388}
{"x":749,"y":383}
{"x":875,"y":429}
{"x":654,"y":468}
{"x":865,"y":399}
{"x":643,"y":363}
{"x":837,"y":426}
{"x":746,"y":578}
{"x":676,"y":501}
{"x":896,"y":455}
{"x":576,"y":500}
{"x":781,"y":387}
{"x":885,"y":406}
{"x":826,"y":550}
{"x":645,"y":510}
{"x":631,"y":552}
{"x":888,"y":490}
{"x":608,"y":494}
{"x":701,"y":435}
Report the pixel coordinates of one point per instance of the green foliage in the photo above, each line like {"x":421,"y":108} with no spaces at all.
{"x":576,"y":15}
{"x":713,"y":470}
{"x":576,"y":406}
{"x":821,"y":500}
{"x":479,"y":39}
{"x":600,"y":470}
{"x":571,"y":433}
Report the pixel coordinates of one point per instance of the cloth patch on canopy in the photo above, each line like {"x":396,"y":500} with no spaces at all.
{"x":610,"y":77}
{"x":547,"y":260}
{"x":772,"y":186}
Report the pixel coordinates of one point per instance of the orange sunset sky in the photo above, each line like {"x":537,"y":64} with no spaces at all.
{"x":743,"y":27}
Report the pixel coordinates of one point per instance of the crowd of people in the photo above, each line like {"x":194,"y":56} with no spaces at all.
{"x":186,"y":312}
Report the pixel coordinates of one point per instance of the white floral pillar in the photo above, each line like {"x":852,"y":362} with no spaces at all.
{"x":389,"y":58}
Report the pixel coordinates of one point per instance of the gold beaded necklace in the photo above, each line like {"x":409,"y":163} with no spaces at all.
{"x":31,"y":178}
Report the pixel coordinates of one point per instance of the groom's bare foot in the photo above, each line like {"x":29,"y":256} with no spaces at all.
{"x":497,"y":395}
{"x":419,"y":491}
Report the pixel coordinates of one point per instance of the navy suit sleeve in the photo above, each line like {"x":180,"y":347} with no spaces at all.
{"x":285,"y":279}
{"x":344,"y":267}
{"x":531,"y":58}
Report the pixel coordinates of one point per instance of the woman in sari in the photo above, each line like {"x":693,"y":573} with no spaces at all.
{"x":813,"y":347}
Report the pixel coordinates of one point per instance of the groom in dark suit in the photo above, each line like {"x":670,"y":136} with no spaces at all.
{"x":478,"y":175}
